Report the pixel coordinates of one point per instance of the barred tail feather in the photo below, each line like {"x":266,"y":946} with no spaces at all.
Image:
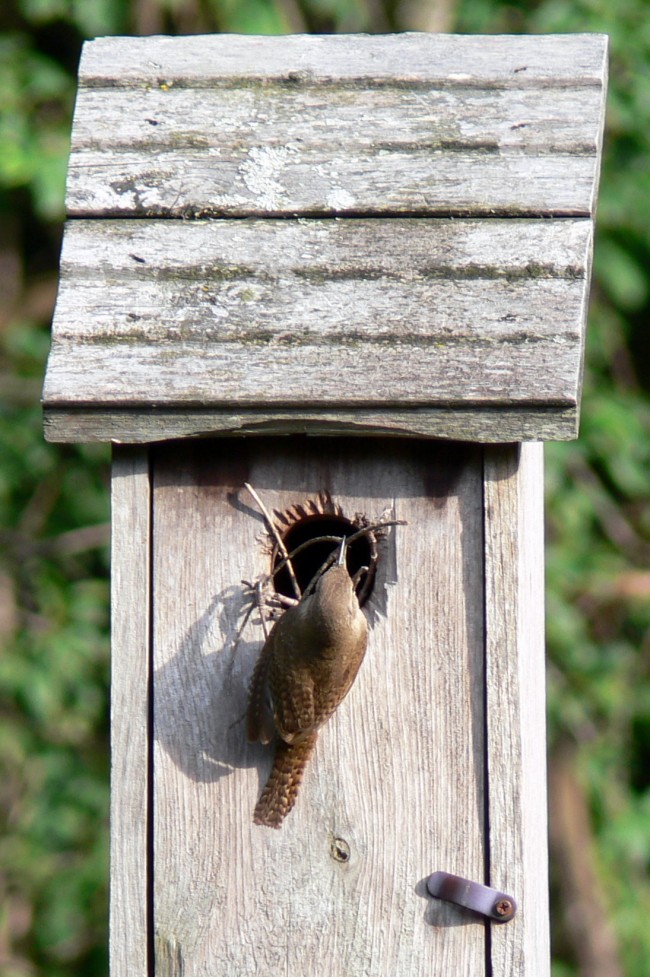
{"x":279,"y":795}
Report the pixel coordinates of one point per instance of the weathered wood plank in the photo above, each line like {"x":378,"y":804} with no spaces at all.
{"x":130,"y":597}
{"x":275,"y":181}
{"x":398,"y":772}
{"x":482,"y":424}
{"x":234,"y":315}
{"x":490,"y":373}
{"x":515,"y":682}
{"x":416,"y":124}
{"x":483,"y":155}
{"x":555,"y":60}
{"x":228,"y":119}
{"x":398,"y":250}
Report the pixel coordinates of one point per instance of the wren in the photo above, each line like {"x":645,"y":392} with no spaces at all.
{"x":306,"y":667}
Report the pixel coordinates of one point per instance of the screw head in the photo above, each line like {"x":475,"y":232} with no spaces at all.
{"x":503,"y":907}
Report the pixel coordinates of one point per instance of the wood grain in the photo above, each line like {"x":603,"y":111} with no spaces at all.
{"x":515,"y":684}
{"x":130,"y":596}
{"x":416,"y":124}
{"x":547,"y":60}
{"x":181,"y":326}
{"x":481,"y":424}
{"x":312,"y":316}
{"x":398,"y":772}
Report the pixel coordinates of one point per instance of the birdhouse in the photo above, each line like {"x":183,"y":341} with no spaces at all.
{"x":315,"y":288}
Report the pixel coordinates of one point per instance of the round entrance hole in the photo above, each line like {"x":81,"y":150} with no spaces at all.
{"x":361,"y":553}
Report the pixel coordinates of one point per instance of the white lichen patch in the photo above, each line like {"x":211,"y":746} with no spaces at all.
{"x":104,"y":197}
{"x":261,"y":171}
{"x":152,"y":197}
{"x":340,"y":199}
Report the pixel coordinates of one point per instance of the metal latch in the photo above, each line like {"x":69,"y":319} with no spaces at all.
{"x":472,"y":895}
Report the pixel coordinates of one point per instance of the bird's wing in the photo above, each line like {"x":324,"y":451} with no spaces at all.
{"x":259,"y":715}
{"x":292,"y":691}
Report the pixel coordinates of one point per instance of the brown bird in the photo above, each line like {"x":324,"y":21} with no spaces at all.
{"x":306,"y":667}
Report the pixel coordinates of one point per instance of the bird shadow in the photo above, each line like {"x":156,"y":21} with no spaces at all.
{"x":200,"y":694}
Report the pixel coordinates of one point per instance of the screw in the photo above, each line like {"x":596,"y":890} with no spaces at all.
{"x":503,"y":907}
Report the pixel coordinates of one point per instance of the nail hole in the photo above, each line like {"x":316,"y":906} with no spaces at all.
{"x":340,"y":850}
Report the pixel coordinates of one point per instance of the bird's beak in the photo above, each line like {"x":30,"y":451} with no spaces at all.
{"x":342,"y":551}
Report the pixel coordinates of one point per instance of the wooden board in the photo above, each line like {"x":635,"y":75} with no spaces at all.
{"x":515,"y":683}
{"x":478,"y":424}
{"x":412,"y":124}
{"x":130,"y":686}
{"x":451,"y":60}
{"x":169,"y":327}
{"x":398,"y":772}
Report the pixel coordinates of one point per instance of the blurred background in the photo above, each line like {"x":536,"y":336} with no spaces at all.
{"x":54,"y":503}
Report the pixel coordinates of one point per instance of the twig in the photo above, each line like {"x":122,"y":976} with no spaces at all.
{"x":258,"y":600}
{"x":274,"y":532}
{"x":335,"y":539}
{"x":257,"y":603}
{"x":324,"y":567}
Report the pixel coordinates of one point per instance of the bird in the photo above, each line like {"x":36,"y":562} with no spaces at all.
{"x":305,"y":669}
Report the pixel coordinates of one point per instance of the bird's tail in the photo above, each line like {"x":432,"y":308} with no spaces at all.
{"x":279,"y":795}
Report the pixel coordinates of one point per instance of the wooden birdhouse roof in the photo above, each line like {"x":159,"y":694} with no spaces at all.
{"x":341,"y":234}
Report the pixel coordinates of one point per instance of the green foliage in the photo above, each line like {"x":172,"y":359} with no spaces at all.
{"x":250,"y":17}
{"x":94,"y":19}
{"x":53,"y":680}
{"x":598,"y":509}
{"x":53,"y":562}
{"x":36,"y":97}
